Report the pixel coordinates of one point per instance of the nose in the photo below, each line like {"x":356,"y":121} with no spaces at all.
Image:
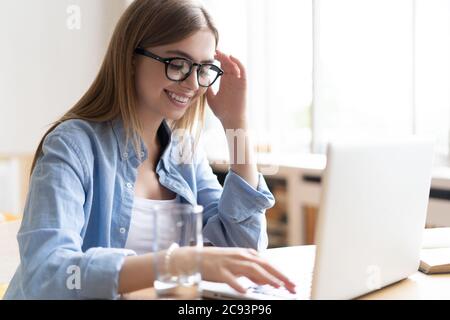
{"x":191,"y":82}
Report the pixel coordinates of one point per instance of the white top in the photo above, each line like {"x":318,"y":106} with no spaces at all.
{"x":140,"y":236}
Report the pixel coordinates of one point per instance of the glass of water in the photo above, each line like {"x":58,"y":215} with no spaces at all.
{"x":177,"y":226}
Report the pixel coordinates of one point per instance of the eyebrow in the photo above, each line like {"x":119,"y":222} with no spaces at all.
{"x":186,"y":55}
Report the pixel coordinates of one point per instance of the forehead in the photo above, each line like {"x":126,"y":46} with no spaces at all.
{"x":201,"y":46}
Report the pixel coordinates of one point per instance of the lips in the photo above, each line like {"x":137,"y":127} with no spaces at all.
{"x":180,"y":101}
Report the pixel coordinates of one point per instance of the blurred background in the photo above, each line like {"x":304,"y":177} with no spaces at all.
{"x":317,"y":69}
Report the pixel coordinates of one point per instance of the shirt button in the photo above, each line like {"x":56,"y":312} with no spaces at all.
{"x":125,"y":155}
{"x":122,"y":230}
{"x":142,"y":154}
{"x":129,"y":185}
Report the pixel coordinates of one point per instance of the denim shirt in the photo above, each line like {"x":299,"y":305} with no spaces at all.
{"x":78,"y":210}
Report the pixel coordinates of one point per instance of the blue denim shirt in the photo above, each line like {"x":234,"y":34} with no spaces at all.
{"x":78,"y":209}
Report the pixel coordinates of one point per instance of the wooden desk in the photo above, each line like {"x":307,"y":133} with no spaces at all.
{"x":301,"y":259}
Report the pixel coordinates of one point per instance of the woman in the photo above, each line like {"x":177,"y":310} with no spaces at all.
{"x":114,"y":148}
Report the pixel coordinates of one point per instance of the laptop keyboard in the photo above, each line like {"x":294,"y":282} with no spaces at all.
{"x":272,"y":292}
{"x":303,"y":290}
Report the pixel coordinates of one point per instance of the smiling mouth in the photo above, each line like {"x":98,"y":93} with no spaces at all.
{"x":178,"y":100}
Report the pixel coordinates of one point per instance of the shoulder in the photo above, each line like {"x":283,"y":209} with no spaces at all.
{"x":80,"y":138}
{"x":80,"y":133}
{"x":77,"y":143}
{"x":80,"y":130}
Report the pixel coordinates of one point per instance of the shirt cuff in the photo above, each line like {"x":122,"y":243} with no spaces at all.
{"x":240,"y":200}
{"x":101,"y":279}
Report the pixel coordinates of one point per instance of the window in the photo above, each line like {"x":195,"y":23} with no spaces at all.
{"x":274,"y":41}
{"x":324,"y":68}
{"x":432,"y":73}
{"x":363,"y":69}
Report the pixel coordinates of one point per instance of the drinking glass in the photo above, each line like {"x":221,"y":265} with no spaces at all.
{"x":177,"y":226}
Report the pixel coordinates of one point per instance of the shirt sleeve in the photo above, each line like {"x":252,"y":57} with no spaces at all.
{"x":235,"y":214}
{"x":53,"y":265}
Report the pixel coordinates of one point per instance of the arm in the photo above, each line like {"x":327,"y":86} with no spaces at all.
{"x":217,"y":264}
{"x":241,"y":155}
{"x":233,"y":216}
{"x":53,"y":264}
{"x":229,"y":105}
{"x":137,"y":273}
{"x":236,"y":216}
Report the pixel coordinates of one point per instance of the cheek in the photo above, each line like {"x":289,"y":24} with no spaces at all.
{"x":149,"y":85}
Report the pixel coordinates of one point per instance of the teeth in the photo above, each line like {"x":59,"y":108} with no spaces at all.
{"x":178,"y":98}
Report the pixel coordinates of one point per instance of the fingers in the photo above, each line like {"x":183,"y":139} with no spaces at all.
{"x":275,"y":273}
{"x":210,"y":95}
{"x":227,"y":64}
{"x":231,"y":280}
{"x":271,"y":274}
{"x":230,"y":263}
{"x":258,"y":275}
{"x":243,"y":74}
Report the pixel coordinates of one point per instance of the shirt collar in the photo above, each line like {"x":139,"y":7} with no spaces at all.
{"x":128,"y":152}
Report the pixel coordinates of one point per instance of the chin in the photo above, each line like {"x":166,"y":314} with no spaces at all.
{"x":174,"y":116}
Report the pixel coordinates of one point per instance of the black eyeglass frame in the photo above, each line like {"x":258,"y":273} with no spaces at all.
{"x":192,"y":64}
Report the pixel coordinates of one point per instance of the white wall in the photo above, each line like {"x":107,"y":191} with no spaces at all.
{"x":45,"y":67}
{"x":9,"y":187}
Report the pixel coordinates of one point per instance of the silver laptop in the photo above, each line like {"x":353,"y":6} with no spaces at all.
{"x":370,"y":223}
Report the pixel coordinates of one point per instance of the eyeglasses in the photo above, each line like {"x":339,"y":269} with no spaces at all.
{"x":179,"y":69}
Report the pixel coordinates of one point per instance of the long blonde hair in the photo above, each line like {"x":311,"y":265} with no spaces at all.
{"x":145,"y":23}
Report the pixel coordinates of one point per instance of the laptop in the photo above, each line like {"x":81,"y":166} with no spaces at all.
{"x":370,"y":223}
